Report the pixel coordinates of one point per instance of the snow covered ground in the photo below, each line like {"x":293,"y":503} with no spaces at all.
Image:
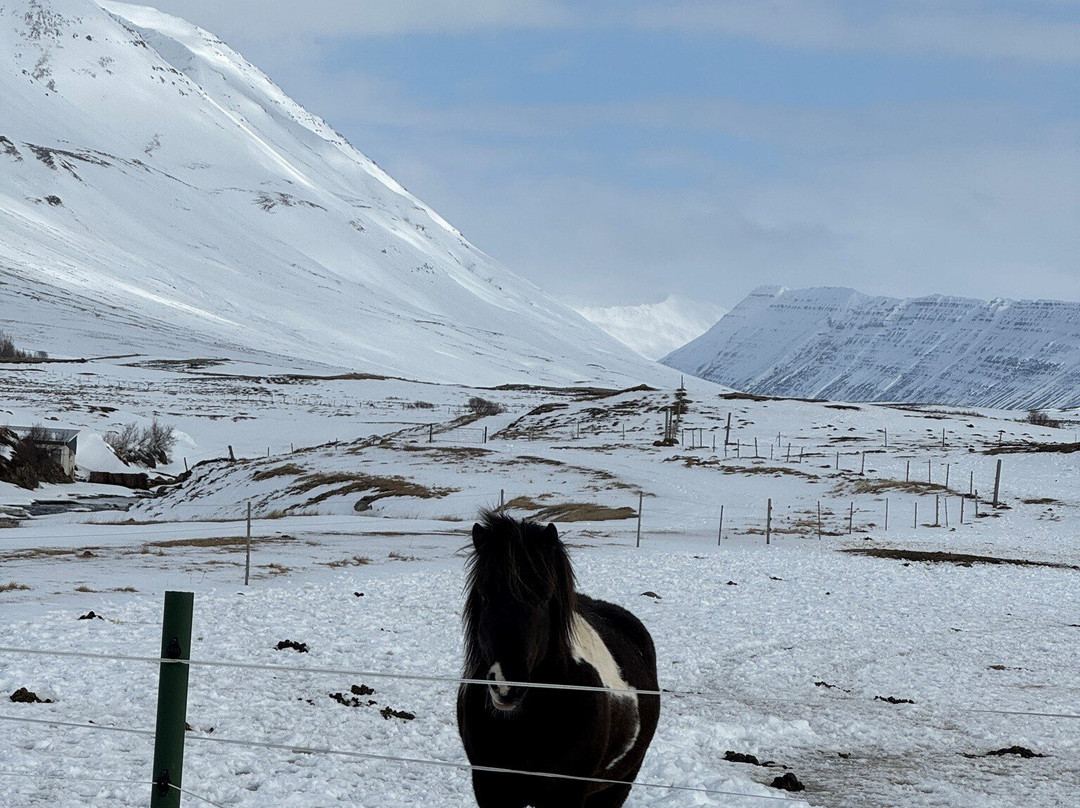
{"x":789,"y":651}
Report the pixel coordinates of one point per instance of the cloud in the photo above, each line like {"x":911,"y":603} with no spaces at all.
{"x":348,"y":18}
{"x":1033,"y":30}
{"x":913,"y":29}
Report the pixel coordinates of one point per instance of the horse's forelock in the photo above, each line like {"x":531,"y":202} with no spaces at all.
{"x":523,"y":560}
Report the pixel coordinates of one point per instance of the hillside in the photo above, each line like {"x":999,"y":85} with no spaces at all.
{"x":160,"y":195}
{"x":843,"y":345}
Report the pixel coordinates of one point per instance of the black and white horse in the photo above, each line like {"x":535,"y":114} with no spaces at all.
{"x":526,"y":623}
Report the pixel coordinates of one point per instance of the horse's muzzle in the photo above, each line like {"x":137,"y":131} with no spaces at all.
{"x":504,"y":698}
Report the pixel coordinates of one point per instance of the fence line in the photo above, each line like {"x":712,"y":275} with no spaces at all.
{"x":712,"y":698}
{"x":451,"y":764}
{"x":55,"y":776}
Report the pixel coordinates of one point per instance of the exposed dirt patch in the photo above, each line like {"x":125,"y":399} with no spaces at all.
{"x":24,"y":696}
{"x":788,"y":782}
{"x":1027,"y":448}
{"x":299,"y":647}
{"x":964,"y":559}
{"x":740,"y":757}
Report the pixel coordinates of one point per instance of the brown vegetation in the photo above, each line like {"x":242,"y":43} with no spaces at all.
{"x":582,"y":512}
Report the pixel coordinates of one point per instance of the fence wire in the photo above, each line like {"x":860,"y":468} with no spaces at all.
{"x":714,"y":698}
{"x":450,"y":764}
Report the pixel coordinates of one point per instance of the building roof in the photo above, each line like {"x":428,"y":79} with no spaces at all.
{"x":64,"y":436}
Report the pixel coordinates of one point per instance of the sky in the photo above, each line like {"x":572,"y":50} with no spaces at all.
{"x":615,"y":152}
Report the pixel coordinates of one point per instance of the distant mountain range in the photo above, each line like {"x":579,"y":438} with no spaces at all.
{"x":655,"y":329}
{"x":840,"y":344}
{"x":161,"y":195}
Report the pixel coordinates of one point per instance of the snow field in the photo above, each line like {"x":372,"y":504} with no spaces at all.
{"x":953,"y":639}
{"x":753,"y":649}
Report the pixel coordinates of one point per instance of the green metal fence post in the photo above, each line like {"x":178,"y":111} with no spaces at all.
{"x":172,"y":700}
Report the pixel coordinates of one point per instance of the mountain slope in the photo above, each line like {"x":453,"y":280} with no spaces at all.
{"x":158,"y":194}
{"x":655,"y":329}
{"x":840,"y":344}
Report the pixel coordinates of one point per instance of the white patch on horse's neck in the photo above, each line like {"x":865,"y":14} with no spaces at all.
{"x":588,"y":647}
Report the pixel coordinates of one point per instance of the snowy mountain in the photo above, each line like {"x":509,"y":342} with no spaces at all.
{"x":655,"y":329}
{"x":159,"y":194}
{"x":840,"y":344}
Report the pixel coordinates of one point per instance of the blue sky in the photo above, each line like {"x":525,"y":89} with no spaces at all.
{"x":618,"y":152}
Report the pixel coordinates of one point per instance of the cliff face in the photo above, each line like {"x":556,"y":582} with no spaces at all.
{"x":840,"y":344}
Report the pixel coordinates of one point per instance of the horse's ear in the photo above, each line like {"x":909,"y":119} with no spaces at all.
{"x":551,"y":533}
{"x":479,"y":535}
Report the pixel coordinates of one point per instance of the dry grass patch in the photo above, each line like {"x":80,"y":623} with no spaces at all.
{"x":582,"y":512}
{"x":356,"y":482}
{"x":286,"y":470}
{"x":13,"y":586}
{"x":232,"y":543}
{"x":963,"y":559}
{"x":355,"y":561}
{"x":865,"y":485}
{"x":523,"y":503}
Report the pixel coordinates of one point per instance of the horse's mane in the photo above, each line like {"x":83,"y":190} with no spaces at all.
{"x":527,"y":561}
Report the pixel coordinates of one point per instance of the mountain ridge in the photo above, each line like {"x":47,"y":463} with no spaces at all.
{"x":838,"y":343}
{"x":158,"y":193}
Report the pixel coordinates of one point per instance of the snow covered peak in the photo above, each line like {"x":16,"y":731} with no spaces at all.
{"x":159,"y":194}
{"x":655,"y":329}
{"x":841,"y":344}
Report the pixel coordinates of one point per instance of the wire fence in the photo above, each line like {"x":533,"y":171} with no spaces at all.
{"x":713,"y":697}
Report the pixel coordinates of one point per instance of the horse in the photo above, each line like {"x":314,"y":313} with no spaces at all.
{"x":524,"y":622}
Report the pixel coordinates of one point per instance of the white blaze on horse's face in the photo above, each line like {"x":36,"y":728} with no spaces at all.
{"x":499,"y":692}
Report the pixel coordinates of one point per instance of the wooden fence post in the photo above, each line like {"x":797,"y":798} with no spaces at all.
{"x":907,"y":473}
{"x":886,"y":514}
{"x":997,"y":482}
{"x":819,"y":520}
{"x":851,"y":519}
{"x":862,"y":468}
{"x":937,"y":510}
{"x":640,"y":499}
{"x":247,"y":561}
{"x":168,"y":772}
{"x":947,"y":467}
{"x":768,"y":523}
{"x":727,"y":430}
{"x":720,"y":535}
{"x":916,"y":515}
